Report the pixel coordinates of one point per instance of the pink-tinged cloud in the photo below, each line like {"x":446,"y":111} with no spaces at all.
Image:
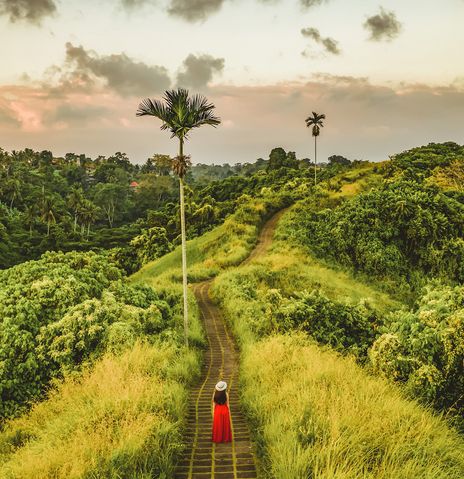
{"x":364,"y":121}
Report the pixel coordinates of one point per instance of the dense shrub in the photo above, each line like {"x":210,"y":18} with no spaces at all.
{"x":60,"y":311}
{"x":344,"y":327}
{"x":151,"y":244}
{"x":257,"y":302}
{"x":425,"y":348}
{"x":402,"y":230}
{"x":424,"y":161}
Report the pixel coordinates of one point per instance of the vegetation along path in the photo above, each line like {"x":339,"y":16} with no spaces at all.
{"x":202,"y":458}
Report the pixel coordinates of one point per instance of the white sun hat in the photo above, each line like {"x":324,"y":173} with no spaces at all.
{"x":221,"y":386}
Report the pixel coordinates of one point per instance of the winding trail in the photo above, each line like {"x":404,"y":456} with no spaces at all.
{"x":202,"y":459}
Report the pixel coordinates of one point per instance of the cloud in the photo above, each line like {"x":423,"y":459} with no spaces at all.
{"x":198,"y":71}
{"x":32,"y":11}
{"x":7,"y":117}
{"x":194,"y":10}
{"x":199,"y":10}
{"x":365,"y":120}
{"x":120,"y":72}
{"x":383,"y":26}
{"x":73,"y":115}
{"x":330,"y":45}
{"x":133,"y":4}
{"x":311,"y":3}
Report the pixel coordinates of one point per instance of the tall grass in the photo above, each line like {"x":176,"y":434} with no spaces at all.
{"x":121,"y":419}
{"x":320,"y":416}
{"x":315,"y":413}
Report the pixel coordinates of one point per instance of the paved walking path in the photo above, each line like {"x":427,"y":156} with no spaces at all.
{"x":202,"y":459}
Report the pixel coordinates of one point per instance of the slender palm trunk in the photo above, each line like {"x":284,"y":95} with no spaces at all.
{"x":315,"y":160}
{"x":184,"y":246}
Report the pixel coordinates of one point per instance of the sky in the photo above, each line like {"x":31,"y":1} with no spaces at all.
{"x":388,"y":75}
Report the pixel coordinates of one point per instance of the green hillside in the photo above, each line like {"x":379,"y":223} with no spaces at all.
{"x":349,"y":320}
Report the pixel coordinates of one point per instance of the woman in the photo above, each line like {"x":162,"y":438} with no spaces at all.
{"x":221,"y":418}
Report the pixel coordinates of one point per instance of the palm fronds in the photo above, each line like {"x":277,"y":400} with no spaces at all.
{"x":180,"y":112}
{"x":316,"y":121}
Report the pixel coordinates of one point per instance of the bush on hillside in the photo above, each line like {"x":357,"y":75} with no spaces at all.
{"x":343,"y":327}
{"x":60,"y":311}
{"x":424,"y":161}
{"x":401,"y":230}
{"x":425,"y":348}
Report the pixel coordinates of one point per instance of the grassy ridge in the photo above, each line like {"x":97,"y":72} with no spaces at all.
{"x":248,"y":294}
{"x":121,"y":419}
{"x":225,"y":246}
{"x":317,"y":414}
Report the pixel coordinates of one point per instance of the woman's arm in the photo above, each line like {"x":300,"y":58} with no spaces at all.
{"x":227,"y":399}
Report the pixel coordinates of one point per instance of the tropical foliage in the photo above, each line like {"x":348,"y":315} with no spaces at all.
{"x":424,"y":348}
{"x":62,"y":311}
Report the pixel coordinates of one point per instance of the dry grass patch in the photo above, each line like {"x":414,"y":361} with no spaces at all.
{"x":320,"y":416}
{"x":121,"y":419}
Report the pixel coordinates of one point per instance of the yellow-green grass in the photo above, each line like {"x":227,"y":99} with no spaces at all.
{"x":320,"y":416}
{"x":297,"y":270}
{"x":317,"y":414}
{"x":226,"y":245}
{"x":120,"y":419}
{"x":289,"y":269}
{"x":353,"y":181}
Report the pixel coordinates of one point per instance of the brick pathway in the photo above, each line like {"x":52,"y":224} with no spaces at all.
{"x":202,"y":459}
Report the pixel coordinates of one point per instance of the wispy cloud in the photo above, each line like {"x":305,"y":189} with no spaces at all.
{"x":383,"y":26}
{"x":200,"y":10}
{"x":312,"y":3}
{"x":134,"y":4}
{"x":32,"y":11}
{"x":381,"y":120}
{"x":73,"y":115}
{"x":330,"y":45}
{"x":7,"y":116}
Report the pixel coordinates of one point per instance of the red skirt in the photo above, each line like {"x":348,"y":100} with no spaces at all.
{"x":221,"y":424}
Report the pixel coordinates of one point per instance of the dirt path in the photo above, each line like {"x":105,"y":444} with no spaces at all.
{"x":202,"y":459}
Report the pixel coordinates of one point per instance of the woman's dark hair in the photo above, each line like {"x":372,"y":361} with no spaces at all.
{"x":220,"y":397}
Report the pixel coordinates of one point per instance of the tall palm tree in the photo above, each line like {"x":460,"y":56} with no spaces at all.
{"x":181,"y":113}
{"x":316,"y":122}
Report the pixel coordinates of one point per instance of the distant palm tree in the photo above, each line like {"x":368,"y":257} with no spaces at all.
{"x":47,"y":212}
{"x":88,"y":212}
{"x":30,"y":215}
{"x":179,"y":114}
{"x":316,"y":122}
{"x":13,"y":188}
{"x":75,"y":201}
